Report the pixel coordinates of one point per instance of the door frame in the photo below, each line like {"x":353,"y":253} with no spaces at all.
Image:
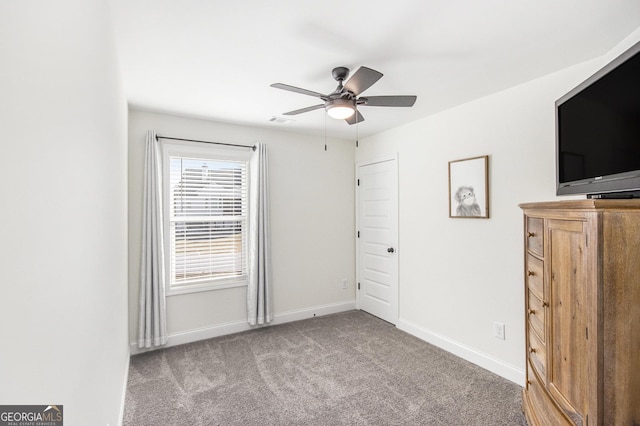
{"x":368,"y":162}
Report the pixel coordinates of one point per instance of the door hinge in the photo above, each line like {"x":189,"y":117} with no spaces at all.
{"x":358,"y":234}
{"x":587,"y":332}
{"x":586,"y":242}
{"x":358,"y":182}
{"x":358,"y":286}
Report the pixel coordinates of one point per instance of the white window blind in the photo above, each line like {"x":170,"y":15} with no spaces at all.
{"x":207,"y":221}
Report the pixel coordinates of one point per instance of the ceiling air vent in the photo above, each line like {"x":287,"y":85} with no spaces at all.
{"x":281,"y":120}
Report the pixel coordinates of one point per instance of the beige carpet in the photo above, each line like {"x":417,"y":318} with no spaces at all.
{"x":343,"y":369}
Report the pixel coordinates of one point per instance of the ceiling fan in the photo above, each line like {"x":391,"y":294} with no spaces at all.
{"x":343,"y":102}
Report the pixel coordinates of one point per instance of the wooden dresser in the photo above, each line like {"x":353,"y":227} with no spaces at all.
{"x":582,"y":308}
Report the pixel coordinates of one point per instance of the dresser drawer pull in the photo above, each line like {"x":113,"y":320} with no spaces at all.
{"x":531,"y":234}
{"x":532,"y":350}
{"x":532,"y":311}
{"x":531,"y":273}
{"x":545,"y":304}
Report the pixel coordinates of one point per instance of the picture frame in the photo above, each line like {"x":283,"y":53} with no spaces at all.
{"x":469,"y":188}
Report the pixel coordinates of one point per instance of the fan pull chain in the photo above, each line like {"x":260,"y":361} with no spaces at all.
{"x":357,"y":124}
{"x":325,"y":132}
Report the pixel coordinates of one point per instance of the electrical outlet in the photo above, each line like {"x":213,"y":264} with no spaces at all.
{"x":345,"y":284}
{"x":498,"y":330}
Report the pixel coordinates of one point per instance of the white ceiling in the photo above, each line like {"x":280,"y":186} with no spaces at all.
{"x":215,"y":59}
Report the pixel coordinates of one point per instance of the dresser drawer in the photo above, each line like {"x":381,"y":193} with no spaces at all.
{"x":538,"y":406}
{"x":534,"y":270}
{"x":537,"y":353}
{"x":536,"y":314}
{"x":534,"y":235}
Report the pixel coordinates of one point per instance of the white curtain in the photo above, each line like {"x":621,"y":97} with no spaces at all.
{"x":152,"y":324}
{"x":259,"y":300}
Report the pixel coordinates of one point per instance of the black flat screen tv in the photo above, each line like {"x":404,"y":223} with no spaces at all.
{"x":598,"y":132}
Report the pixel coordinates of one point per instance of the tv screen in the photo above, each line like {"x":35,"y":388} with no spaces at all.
{"x":598,"y":131}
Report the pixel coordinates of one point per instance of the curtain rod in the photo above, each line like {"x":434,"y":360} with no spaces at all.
{"x":253,"y":147}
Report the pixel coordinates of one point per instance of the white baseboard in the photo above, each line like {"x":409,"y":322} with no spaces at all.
{"x":501,"y":368}
{"x":217,"y":330}
{"x":125,"y":382}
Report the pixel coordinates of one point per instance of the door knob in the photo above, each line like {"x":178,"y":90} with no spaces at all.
{"x":390,"y":250}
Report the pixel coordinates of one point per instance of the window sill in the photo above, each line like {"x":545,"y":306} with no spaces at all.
{"x":206,"y":286}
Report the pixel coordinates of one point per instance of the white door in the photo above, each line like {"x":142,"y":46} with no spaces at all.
{"x":377,"y":239}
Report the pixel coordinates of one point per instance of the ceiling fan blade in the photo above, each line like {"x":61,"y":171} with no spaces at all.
{"x":298,"y":90}
{"x":355,"y":118}
{"x":362,"y":80}
{"x":301,"y":110}
{"x":389,"y":101}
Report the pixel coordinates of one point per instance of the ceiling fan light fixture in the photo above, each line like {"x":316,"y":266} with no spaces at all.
{"x":340,"y":109}
{"x":342,"y":103}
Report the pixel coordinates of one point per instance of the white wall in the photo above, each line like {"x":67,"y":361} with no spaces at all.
{"x":312,"y":226}
{"x":63,"y":251}
{"x":458,"y":276}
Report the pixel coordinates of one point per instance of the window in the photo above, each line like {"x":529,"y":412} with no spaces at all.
{"x":205,"y":218}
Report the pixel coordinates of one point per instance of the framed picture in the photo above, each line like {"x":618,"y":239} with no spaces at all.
{"x":469,"y":188}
